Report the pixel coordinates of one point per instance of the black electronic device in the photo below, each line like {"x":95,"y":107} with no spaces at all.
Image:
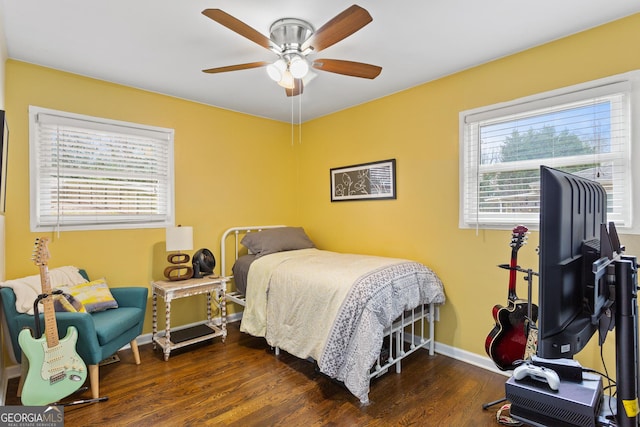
{"x":571,"y":302}
{"x":203,"y":263}
{"x":572,"y":404}
{"x":586,"y":285}
{"x":567,"y":369}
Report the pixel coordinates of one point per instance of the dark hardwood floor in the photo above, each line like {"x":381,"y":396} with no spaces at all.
{"x":241,"y":382}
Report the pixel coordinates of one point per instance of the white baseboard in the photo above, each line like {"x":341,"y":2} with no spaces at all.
{"x":12,"y":371}
{"x":483,"y":362}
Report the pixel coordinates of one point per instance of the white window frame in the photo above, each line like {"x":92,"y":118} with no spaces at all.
{"x":154,"y":144}
{"x":469,"y":143}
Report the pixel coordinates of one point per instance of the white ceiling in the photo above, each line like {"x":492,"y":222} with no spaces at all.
{"x":162,"y":45}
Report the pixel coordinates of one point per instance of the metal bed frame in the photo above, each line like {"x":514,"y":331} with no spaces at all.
{"x":403,"y":337}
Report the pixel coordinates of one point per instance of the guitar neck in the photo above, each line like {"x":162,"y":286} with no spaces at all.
{"x":518,"y":238}
{"x":513,"y":274}
{"x":51,"y":327}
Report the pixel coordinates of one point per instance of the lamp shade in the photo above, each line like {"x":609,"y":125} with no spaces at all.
{"x":179,"y":238}
{"x":298,"y":67}
{"x":277,"y":69}
{"x":287,"y":80}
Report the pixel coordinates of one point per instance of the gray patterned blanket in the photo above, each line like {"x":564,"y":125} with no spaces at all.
{"x":373,"y":303}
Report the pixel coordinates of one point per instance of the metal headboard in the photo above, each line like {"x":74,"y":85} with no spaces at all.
{"x":237,"y":233}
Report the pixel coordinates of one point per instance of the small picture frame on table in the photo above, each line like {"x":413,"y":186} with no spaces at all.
{"x":366,"y":181}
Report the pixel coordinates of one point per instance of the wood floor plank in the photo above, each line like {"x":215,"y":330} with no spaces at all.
{"x":242,"y":383}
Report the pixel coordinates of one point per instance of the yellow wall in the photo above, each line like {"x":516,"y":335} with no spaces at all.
{"x":231,"y":169}
{"x":419,"y":127}
{"x":245,"y":166}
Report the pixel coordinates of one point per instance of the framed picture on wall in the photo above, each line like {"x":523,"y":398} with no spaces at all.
{"x":4,"y":150}
{"x":366,"y":181}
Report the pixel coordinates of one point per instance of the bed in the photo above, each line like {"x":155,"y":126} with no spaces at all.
{"x":356,"y":316}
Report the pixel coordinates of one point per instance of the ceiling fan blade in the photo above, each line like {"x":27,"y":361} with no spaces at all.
{"x":236,"y":67}
{"x":236,"y":25}
{"x":348,"y":68}
{"x":340,"y":27}
{"x":297,"y":88}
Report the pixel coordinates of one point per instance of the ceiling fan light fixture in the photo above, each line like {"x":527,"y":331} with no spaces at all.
{"x":287,"y":80}
{"x":277,"y":69}
{"x":310,"y":76}
{"x":298,"y":66}
{"x":292,"y":39}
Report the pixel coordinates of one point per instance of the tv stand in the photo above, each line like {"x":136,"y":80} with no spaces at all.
{"x":626,"y":318}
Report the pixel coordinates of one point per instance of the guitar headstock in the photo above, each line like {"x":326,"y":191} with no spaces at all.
{"x":40,"y":251}
{"x":519,"y":237}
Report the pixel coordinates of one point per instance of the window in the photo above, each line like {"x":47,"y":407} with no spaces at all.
{"x":584,"y":129}
{"x":89,"y":173}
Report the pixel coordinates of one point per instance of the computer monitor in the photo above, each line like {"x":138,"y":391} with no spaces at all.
{"x":573,"y":218}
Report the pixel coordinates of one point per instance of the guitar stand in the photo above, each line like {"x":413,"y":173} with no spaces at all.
{"x":488,"y":405}
{"x":529,"y":278}
{"x":36,"y":314}
{"x":82,"y":401}
{"x":38,"y":334}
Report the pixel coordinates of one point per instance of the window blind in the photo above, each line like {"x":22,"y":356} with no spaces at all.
{"x":585,"y":131}
{"x":93,"y":173}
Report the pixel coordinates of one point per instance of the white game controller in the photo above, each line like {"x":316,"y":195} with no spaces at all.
{"x":537,"y":373}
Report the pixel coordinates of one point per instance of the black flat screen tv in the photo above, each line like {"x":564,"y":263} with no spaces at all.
{"x":573,"y":218}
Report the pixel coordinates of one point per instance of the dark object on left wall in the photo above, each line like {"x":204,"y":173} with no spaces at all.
{"x":4,"y":151}
{"x":203,"y":263}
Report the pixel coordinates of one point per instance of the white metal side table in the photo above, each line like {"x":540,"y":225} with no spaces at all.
{"x":170,"y":290}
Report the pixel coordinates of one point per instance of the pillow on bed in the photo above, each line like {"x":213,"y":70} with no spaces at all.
{"x":240,"y":272}
{"x":274,"y":240}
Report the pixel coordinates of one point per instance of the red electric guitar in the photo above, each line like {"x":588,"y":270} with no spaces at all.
{"x":507,"y":340}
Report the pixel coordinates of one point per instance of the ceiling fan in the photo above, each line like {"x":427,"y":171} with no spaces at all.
{"x":292,"y":40}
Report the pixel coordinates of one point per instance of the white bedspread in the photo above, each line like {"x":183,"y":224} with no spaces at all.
{"x":333,"y":307}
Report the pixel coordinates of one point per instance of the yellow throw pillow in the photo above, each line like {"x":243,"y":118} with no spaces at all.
{"x":94,"y":296}
{"x":67,"y":302}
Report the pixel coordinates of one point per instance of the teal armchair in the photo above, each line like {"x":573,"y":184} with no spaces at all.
{"x":100,"y":334}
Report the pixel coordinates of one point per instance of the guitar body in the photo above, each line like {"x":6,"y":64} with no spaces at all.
{"x":53,"y":368}
{"x":54,"y":372}
{"x":507,"y":341}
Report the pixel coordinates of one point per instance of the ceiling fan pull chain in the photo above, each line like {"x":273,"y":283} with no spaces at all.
{"x":300,"y":119}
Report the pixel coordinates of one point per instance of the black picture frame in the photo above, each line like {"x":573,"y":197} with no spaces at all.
{"x":365,"y":181}
{"x":4,"y":160}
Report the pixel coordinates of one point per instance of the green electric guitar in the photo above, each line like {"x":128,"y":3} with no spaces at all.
{"x":54,"y":368}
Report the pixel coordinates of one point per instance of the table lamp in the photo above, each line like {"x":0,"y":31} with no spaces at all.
{"x":179,"y":239}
